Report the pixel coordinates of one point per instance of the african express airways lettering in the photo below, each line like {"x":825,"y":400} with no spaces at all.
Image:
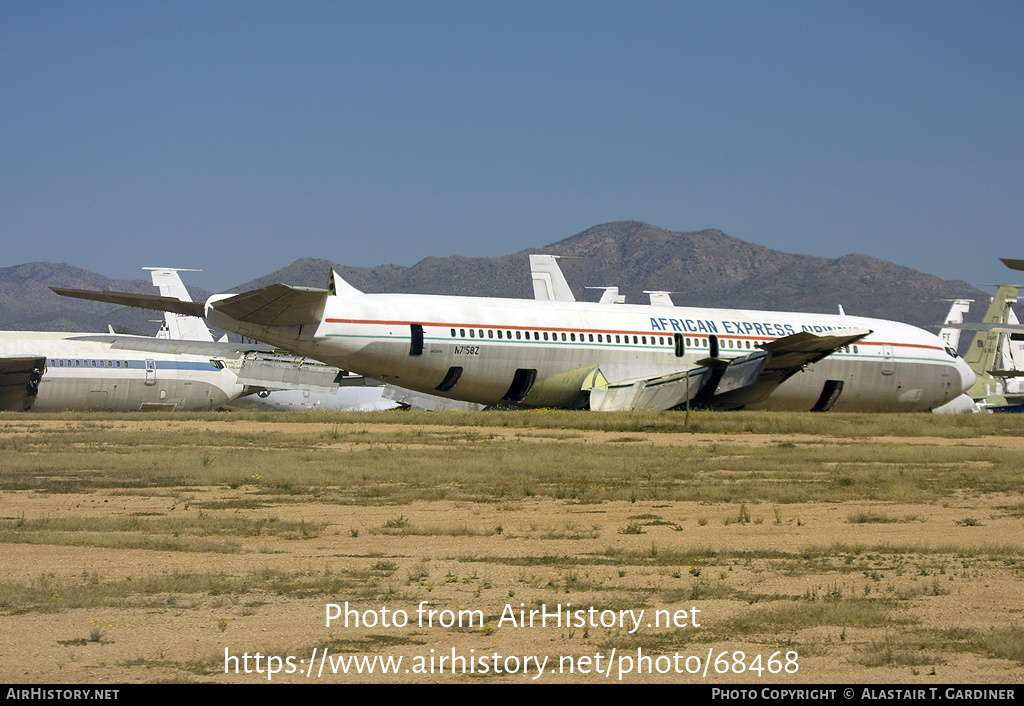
{"x":707,"y":326}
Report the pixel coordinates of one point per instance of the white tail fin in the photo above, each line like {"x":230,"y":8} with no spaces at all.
{"x":611,"y":295}
{"x":660,"y":298}
{"x":179,"y":326}
{"x":548,"y":281}
{"x":951,"y":336}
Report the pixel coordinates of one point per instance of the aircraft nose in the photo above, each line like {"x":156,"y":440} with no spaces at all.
{"x":967,"y":376}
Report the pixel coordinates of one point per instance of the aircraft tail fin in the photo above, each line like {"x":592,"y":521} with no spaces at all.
{"x":338,"y":286}
{"x":985,"y":352}
{"x":951,"y":336}
{"x":179,"y":326}
{"x":549,"y":283}
{"x":659,"y":298}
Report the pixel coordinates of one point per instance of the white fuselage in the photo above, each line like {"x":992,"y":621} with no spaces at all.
{"x":897,"y":367}
{"x":85,"y":375}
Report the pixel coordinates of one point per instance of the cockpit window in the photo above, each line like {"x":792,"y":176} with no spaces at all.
{"x":951,"y":351}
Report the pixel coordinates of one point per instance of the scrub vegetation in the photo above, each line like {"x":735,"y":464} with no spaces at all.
{"x":844,"y":538}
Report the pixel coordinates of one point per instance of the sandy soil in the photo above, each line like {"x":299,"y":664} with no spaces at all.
{"x":549,"y":553}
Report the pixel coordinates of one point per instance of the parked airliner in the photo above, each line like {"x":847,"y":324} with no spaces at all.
{"x":67,"y":371}
{"x":592,"y":355}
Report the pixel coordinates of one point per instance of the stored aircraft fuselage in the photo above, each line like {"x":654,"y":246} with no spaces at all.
{"x":542,"y":353}
{"x":86,"y":375}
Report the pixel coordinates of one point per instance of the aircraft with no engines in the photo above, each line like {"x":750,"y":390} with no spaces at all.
{"x":591,"y":355}
{"x":271,"y":380}
{"x":54,"y":372}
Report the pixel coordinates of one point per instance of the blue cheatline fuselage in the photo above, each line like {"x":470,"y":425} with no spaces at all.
{"x":85,"y":375}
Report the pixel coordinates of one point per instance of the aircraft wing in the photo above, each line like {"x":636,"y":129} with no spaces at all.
{"x":19,"y":382}
{"x":804,"y":348}
{"x":654,"y":392}
{"x":421,"y":400}
{"x":717,"y":383}
{"x":174,"y":346}
{"x":276,"y":305}
{"x":749,"y":379}
{"x":286,"y":373}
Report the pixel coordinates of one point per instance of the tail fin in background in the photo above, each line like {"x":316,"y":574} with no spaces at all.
{"x":951,"y":336}
{"x":548,"y":281}
{"x":179,"y":326}
{"x":985,"y":352}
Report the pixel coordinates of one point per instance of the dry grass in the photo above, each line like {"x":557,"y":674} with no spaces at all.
{"x":852,"y":539}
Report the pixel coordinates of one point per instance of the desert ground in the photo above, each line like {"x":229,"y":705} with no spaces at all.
{"x":761,"y":548}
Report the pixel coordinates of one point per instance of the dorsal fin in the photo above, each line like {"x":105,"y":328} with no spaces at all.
{"x":336,"y":285}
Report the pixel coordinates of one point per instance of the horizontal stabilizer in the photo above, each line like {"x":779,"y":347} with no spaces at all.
{"x":988,"y":327}
{"x":276,"y":305}
{"x":1013,"y":264}
{"x":19,"y":382}
{"x":141,"y":301}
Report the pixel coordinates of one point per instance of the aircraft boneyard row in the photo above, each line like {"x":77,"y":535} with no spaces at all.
{"x":570,"y":354}
{"x":182,"y":369}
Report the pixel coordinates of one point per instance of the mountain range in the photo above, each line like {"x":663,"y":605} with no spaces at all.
{"x":705,"y":268}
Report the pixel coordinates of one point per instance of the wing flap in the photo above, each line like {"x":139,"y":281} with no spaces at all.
{"x":654,"y":392}
{"x":289,"y":373}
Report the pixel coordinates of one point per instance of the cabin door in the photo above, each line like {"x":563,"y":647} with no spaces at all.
{"x":888,"y":360}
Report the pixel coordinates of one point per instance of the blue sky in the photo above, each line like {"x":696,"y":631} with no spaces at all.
{"x":237,"y":137}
